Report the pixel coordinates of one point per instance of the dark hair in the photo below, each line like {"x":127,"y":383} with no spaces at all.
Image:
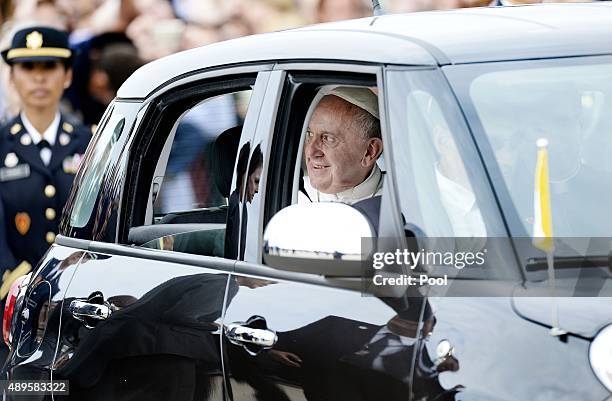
{"x":241,"y":166}
{"x":256,"y":160}
{"x":118,"y":61}
{"x":369,"y":125}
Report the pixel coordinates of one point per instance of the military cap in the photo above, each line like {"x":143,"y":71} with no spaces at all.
{"x":38,"y":43}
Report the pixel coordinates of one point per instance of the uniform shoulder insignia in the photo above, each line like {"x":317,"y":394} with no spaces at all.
{"x":15,"y":128}
{"x":68,"y":127}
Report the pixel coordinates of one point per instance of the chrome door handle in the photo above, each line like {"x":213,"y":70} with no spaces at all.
{"x":85,"y":311}
{"x":239,"y":334}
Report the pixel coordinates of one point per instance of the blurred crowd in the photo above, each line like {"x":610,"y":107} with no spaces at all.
{"x":115,"y":37}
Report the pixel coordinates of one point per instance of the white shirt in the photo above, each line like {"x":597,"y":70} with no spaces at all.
{"x":49,"y":135}
{"x":370,"y":187}
{"x":461,"y":208}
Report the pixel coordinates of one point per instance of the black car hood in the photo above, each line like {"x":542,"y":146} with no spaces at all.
{"x":578,"y":315}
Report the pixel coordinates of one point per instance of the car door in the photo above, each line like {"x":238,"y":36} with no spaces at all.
{"x":292,"y":335}
{"x":141,"y":317}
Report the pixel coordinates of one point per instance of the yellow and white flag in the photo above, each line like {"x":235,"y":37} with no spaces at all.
{"x":542,"y":215}
{"x":542,"y":228}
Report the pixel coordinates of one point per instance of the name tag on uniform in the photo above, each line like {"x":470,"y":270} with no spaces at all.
{"x":14,"y":173}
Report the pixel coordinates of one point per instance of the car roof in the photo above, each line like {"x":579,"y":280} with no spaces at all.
{"x":459,"y":36}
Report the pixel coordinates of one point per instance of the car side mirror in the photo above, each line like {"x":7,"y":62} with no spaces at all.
{"x":320,"y":238}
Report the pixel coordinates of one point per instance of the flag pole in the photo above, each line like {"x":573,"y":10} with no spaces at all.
{"x":542,"y":228}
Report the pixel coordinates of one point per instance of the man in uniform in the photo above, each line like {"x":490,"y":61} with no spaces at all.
{"x":40,"y":149}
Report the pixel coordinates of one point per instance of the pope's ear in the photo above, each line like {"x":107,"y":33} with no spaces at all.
{"x":373,"y":151}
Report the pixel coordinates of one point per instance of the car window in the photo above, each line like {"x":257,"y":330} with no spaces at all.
{"x":190,"y":191}
{"x":328,"y":147}
{"x":444,"y":195}
{"x":97,"y":163}
{"x":189,"y":182}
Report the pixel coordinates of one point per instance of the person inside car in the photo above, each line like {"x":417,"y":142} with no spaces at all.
{"x":343,"y":142}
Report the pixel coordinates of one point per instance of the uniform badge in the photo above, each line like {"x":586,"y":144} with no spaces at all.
{"x":22,"y":222}
{"x":34,"y":40}
{"x":26,"y":140}
{"x":11,"y":160}
{"x":71,"y":163}
{"x":15,"y":129}
{"x":64,"y":139}
{"x":18,"y":172}
{"x":67,"y":127}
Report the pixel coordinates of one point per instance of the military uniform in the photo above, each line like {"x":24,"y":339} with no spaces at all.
{"x":33,"y":194}
{"x":36,"y":168}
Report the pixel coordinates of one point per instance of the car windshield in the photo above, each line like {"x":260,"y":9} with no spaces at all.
{"x":512,"y":105}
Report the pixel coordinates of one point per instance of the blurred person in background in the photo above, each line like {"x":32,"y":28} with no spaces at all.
{"x":6,"y":10}
{"x":101,"y":65}
{"x":113,"y":67}
{"x":513,"y":2}
{"x":9,"y":101}
{"x":337,"y":10}
{"x":40,"y":148}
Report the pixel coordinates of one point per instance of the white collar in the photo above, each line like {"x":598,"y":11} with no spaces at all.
{"x":49,"y":134}
{"x":455,"y":194}
{"x":371,"y":186}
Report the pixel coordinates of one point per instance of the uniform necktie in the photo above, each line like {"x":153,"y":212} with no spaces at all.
{"x":45,"y":151}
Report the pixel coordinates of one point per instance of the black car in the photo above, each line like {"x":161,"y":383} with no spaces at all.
{"x":185,"y":267}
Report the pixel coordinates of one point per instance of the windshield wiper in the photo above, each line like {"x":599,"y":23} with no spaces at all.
{"x":571,"y":262}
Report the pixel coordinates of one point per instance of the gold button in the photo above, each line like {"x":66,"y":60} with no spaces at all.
{"x":50,"y":237}
{"x":68,"y":127}
{"x":50,"y":191}
{"x":50,"y":213}
{"x":15,"y":129}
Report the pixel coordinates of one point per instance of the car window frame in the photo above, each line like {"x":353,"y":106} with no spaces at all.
{"x":215,"y":82}
{"x":310,"y":71}
{"x":280,"y":195}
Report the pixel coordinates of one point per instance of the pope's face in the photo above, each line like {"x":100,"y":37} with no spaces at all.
{"x":40,"y":85}
{"x":334,"y":150}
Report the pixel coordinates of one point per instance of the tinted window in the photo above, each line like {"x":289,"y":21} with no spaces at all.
{"x":190,"y":192}
{"x":442,"y":188}
{"x":96,"y":162}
